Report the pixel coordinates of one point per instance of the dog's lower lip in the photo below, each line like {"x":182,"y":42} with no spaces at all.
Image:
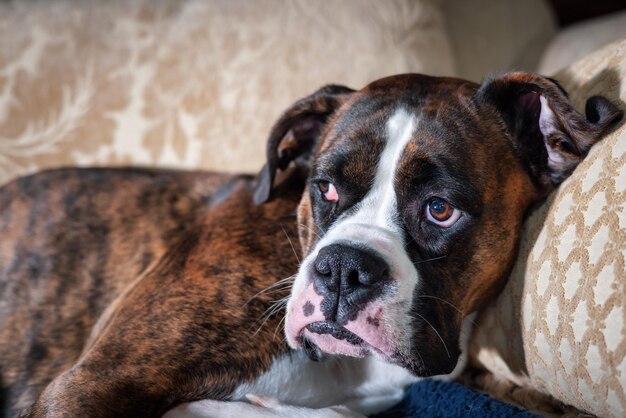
{"x":336,"y":331}
{"x":312,"y":350}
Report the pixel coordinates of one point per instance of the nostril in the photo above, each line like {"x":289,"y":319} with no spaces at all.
{"x":368,"y":278}
{"x":353,"y":278}
{"x":371,"y":276}
{"x":325,"y":273}
{"x":322,"y":267}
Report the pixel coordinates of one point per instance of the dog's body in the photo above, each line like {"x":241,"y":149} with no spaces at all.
{"x":117,"y":245}
{"x":127,"y":292}
{"x":118,"y":275}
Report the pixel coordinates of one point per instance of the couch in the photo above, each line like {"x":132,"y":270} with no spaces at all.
{"x":197,"y":84}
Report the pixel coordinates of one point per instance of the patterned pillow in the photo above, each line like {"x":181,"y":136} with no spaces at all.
{"x":193,"y":84}
{"x":558,"y":326}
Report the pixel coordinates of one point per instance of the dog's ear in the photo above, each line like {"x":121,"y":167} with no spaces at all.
{"x":550,"y":136}
{"x":295,"y":135}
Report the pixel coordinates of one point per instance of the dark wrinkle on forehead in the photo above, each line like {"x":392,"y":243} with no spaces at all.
{"x":448,"y":135}
{"x":365,"y":119}
{"x":350,"y":153}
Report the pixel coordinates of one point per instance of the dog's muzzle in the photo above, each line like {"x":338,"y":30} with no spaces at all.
{"x":338,"y":312}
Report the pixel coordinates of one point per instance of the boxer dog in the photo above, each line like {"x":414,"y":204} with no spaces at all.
{"x":129,"y":292}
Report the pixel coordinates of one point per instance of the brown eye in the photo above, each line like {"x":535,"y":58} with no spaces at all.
{"x":328,"y":191}
{"x":440,"y":209}
{"x":441,"y":213}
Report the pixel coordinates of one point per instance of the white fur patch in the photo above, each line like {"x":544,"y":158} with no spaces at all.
{"x":379,"y":206}
{"x":366,"y":385}
{"x":375,"y":225}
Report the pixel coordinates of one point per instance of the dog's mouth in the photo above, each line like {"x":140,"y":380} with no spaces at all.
{"x":370,"y":332}
{"x":323,"y":337}
{"x":340,"y":333}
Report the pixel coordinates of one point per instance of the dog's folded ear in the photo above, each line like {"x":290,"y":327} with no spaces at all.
{"x":295,"y":135}
{"x":550,"y":136}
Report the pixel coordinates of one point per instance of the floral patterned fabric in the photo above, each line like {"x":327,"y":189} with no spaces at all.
{"x":190,"y":84}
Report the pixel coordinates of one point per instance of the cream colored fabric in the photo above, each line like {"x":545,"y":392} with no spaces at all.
{"x":194,"y":84}
{"x":576,"y":41}
{"x":497,"y":35}
{"x":558,"y":326}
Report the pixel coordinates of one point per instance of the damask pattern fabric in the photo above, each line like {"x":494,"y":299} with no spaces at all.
{"x":190,"y":84}
{"x":558,"y":326}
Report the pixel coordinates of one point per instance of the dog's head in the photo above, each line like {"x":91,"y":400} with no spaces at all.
{"x":416,"y":196}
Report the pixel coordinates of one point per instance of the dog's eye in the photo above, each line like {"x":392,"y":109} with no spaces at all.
{"x":328,"y":191}
{"x":441,"y":213}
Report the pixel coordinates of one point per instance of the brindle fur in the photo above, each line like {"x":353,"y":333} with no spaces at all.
{"x":108,"y":279}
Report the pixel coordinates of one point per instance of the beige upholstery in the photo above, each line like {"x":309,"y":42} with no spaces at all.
{"x":558,"y":326}
{"x":193,"y":84}
{"x":497,"y":35}
{"x":576,"y":41}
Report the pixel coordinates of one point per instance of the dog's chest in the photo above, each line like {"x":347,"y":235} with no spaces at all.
{"x":366,"y":384}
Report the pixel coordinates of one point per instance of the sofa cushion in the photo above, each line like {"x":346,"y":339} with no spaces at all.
{"x":192,"y":84}
{"x":577,"y":41}
{"x":489,"y":36}
{"x":558,"y":326}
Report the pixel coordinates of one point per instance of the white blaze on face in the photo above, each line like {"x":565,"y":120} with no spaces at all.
{"x":379,"y":207}
{"x":375,"y":225}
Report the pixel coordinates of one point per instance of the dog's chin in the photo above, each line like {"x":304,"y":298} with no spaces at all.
{"x":321,"y":338}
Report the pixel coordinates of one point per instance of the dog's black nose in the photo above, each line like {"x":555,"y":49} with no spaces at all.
{"x":348,"y":278}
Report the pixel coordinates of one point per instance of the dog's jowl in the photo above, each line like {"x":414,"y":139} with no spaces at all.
{"x":384,"y":218}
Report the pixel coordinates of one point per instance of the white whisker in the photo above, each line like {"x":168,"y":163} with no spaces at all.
{"x":290,"y":243}
{"x":310,"y":230}
{"x":436,"y":332}
{"x":463,"y":315}
{"x":269,"y":312}
{"x":270,"y":287}
{"x":431,"y":259}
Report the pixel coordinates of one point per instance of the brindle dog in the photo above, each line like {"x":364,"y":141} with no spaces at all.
{"x":124,"y":292}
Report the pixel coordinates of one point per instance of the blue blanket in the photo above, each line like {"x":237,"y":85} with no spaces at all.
{"x":433,"y":398}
